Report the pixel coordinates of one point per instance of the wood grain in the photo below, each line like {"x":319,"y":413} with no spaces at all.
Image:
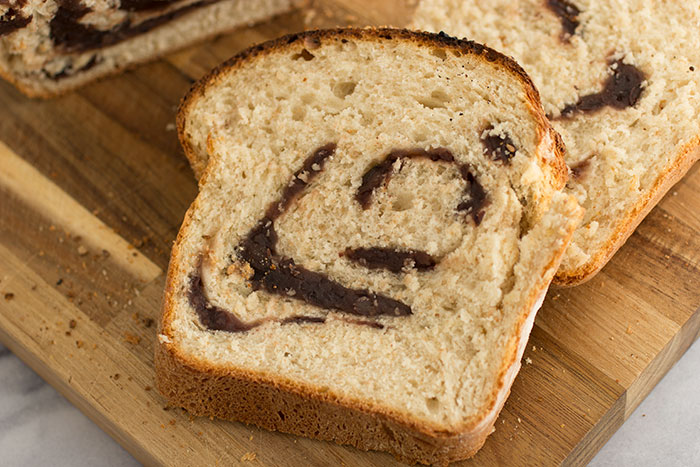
{"x":93,"y":187}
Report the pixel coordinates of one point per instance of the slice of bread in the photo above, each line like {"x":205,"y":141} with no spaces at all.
{"x":48,"y":47}
{"x":377,"y":225}
{"x":621,"y":84}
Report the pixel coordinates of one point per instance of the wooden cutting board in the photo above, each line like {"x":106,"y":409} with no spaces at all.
{"x":93,"y":187}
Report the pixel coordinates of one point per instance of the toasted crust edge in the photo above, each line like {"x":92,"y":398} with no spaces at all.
{"x":189,"y":385}
{"x":557,"y":167}
{"x":684,"y":160}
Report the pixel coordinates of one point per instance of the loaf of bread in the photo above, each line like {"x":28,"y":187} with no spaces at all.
{"x":620,"y":81}
{"x":51,"y":46}
{"x":378,"y":222}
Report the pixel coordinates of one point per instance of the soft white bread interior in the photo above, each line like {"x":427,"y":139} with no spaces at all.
{"x":641,"y":58}
{"x":377,"y":224}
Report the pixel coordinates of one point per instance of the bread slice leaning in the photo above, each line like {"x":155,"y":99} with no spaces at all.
{"x":377,"y":224}
{"x":621,"y":84}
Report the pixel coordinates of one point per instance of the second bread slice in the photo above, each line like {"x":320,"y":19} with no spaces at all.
{"x":620,"y":81}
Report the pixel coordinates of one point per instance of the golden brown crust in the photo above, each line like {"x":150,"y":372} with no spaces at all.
{"x":26,"y":90}
{"x":206,"y":388}
{"x":213,"y":392}
{"x":514,"y":351}
{"x":687,"y":156}
{"x":557,"y":166}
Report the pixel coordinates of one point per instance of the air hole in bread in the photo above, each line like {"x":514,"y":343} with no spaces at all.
{"x":433,"y":404}
{"x":420,"y":136}
{"x":298,"y":113}
{"x":367,"y":119}
{"x":403,"y":201}
{"x":439,"y":53}
{"x":437,"y":100}
{"x":305,"y":54}
{"x":659,"y":107}
{"x":344,"y":89}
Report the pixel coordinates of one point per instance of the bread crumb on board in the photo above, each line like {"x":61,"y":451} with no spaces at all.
{"x":248,"y":457}
{"x":131,"y":339}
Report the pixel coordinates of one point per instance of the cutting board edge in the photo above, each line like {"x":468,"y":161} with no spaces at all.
{"x":644,"y":384}
{"x":582,"y":454}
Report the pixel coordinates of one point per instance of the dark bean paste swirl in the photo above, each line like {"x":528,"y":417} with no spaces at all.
{"x":69,"y":34}
{"x":280,"y":275}
{"x":498,"y":147}
{"x":145,"y":5}
{"x":621,"y":90}
{"x":218,"y":319}
{"x":579,"y":169}
{"x":567,"y":13}
{"x":474,"y":198}
{"x":390,"y":258}
{"x":13,"y":19}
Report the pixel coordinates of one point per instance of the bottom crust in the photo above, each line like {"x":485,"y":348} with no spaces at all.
{"x":205,"y":392}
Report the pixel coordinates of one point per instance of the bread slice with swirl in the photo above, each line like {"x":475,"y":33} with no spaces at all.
{"x":377,"y":224}
{"x":620,"y":81}
{"x":48,"y":47}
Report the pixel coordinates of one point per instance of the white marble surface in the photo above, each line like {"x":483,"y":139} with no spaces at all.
{"x":39,"y":427}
